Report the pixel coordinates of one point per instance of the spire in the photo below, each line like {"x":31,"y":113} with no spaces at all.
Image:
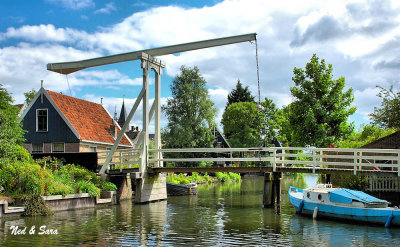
{"x":122,"y":115}
{"x":115,"y":113}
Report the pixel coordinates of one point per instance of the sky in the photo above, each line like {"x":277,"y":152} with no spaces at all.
{"x":361,"y":39}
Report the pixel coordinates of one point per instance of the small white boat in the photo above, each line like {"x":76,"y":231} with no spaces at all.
{"x":326,"y":201}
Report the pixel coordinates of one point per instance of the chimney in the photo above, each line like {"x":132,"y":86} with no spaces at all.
{"x":132,"y":128}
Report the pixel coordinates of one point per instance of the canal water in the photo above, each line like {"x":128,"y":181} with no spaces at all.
{"x":220,"y":215}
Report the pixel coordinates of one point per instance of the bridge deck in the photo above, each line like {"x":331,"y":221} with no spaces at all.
{"x":254,"y":170}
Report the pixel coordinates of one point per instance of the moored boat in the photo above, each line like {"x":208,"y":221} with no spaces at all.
{"x":181,"y":189}
{"x":325,"y":201}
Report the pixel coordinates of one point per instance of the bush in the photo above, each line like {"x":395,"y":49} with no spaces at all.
{"x":83,"y":186}
{"x":224,"y":177}
{"x":35,"y":205}
{"x":106,"y":186}
{"x":354,"y":182}
{"x":50,"y":163}
{"x":76,"y":173}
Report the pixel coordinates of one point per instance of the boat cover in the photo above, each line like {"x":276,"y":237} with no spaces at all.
{"x":347,"y":196}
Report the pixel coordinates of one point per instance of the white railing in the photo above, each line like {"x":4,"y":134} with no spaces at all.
{"x":315,"y":158}
{"x":354,"y":158}
{"x":122,"y":158}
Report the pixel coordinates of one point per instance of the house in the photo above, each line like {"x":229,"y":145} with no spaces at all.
{"x":57,"y":123}
{"x":391,"y":141}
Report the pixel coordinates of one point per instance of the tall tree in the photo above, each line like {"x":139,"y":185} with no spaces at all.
{"x":190,"y":112}
{"x":239,"y":94}
{"x":30,"y":95}
{"x":11,"y":132}
{"x":242,"y":123}
{"x":388,"y":116}
{"x":269,"y":115}
{"x":248,"y":125}
{"x":320,"y":110}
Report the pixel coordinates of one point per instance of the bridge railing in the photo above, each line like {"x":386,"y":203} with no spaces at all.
{"x":345,"y":158}
{"x":122,"y":158}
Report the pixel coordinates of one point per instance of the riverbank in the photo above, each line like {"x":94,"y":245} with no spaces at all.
{"x":62,"y":203}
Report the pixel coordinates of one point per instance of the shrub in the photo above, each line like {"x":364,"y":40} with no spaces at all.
{"x":106,"y":186}
{"x":35,"y":205}
{"x":83,"y":186}
{"x":50,"y":163}
{"x":223,"y":177}
{"x":235,"y":176}
{"x":77,"y":173}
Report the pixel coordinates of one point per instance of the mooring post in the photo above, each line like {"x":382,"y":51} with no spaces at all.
{"x":268,"y":191}
{"x":276,"y":184}
{"x":328,"y":178}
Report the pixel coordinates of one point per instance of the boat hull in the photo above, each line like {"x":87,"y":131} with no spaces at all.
{"x":370,"y":215}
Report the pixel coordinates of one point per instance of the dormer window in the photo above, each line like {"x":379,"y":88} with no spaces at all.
{"x":41,"y":120}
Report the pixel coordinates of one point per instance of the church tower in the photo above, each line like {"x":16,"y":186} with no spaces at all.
{"x":122,"y":115}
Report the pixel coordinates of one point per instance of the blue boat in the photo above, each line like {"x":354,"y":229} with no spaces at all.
{"x":325,"y":201}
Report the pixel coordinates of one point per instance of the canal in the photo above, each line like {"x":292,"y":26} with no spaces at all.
{"x":220,"y":215}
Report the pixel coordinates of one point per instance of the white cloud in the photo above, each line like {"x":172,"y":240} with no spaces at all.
{"x":360,"y":39}
{"x":74,"y":4}
{"x":107,"y":9}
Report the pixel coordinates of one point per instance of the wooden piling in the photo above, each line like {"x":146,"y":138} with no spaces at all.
{"x":268,"y":190}
{"x":272,"y":189}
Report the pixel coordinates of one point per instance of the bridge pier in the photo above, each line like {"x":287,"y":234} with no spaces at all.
{"x":151,"y":188}
{"x":124,"y":185}
{"x":272,"y":189}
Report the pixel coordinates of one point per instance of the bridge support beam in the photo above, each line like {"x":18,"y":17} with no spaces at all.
{"x":151,"y":188}
{"x":272,"y":189}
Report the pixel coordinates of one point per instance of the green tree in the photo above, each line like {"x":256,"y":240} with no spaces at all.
{"x":320,"y":110}
{"x":242,"y":123}
{"x":270,"y":115}
{"x":364,"y":135}
{"x":190,"y":113}
{"x":239,"y":94}
{"x":11,"y":132}
{"x":388,"y":116}
{"x":30,"y":95}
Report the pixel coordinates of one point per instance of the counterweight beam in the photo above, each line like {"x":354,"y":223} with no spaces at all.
{"x":70,"y":67}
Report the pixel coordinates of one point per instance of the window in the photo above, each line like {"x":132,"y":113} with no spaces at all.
{"x":92,"y":149}
{"x":37,"y":147}
{"x":58,"y":147}
{"x":41,"y":120}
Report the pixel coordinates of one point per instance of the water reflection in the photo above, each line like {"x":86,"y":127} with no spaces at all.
{"x":220,"y":215}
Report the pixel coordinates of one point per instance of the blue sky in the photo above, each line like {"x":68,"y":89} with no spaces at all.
{"x":359,"y":38}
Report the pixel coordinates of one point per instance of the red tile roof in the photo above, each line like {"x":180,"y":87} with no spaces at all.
{"x":90,"y":120}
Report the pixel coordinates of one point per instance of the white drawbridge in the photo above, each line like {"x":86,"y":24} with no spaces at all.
{"x":149,"y":62}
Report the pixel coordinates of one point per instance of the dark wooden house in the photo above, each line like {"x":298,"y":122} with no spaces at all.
{"x":59,"y":123}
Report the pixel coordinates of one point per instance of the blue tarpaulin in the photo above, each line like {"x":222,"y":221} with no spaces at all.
{"x":347,"y":196}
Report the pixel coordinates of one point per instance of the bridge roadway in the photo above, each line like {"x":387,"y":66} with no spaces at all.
{"x":135,"y":171}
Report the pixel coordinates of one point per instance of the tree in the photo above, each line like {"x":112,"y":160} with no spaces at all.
{"x":247,"y":125}
{"x":318,"y":115}
{"x":270,"y":116}
{"x":388,"y":116}
{"x":239,"y":94}
{"x":190,"y":112}
{"x":364,"y":135}
{"x":30,"y":95}
{"x":11,"y":132}
{"x":242,"y":126}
